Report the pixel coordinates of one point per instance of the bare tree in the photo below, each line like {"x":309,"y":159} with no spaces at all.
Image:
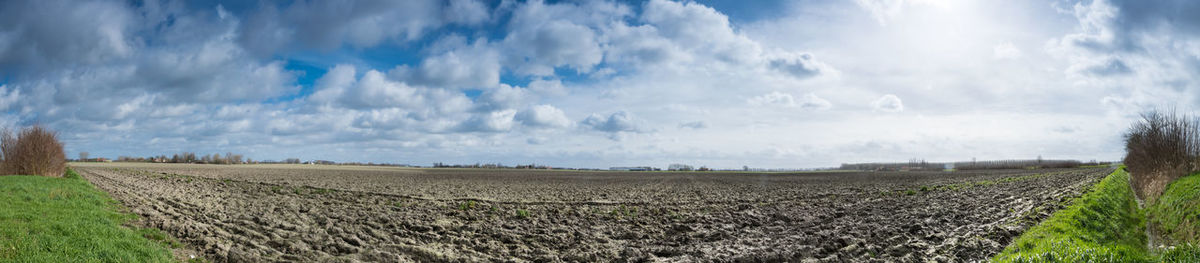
{"x":83,"y":156}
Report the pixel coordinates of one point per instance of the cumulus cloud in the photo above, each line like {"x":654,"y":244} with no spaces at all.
{"x":543,"y":116}
{"x":799,"y":65}
{"x":542,"y":37}
{"x":548,"y":87}
{"x":699,"y":28}
{"x":376,"y":102}
{"x":888,"y":103}
{"x":778,"y":99}
{"x":46,"y":34}
{"x":496,"y":121}
{"x":1143,"y":51}
{"x":460,"y":66}
{"x":640,"y":46}
{"x":773,"y":99}
{"x":501,"y":97}
{"x":8,"y":97}
{"x":361,"y":24}
{"x":616,"y":122}
{"x":190,"y":58}
{"x":467,"y":12}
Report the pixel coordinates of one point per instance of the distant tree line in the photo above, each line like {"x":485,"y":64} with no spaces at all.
{"x":916,"y":165}
{"x":191,"y":157}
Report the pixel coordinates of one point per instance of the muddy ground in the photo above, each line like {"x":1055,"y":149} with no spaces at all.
{"x":267,"y":213}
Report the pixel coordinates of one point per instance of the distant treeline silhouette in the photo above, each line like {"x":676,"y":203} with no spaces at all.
{"x":190,"y":157}
{"x":967,"y":165}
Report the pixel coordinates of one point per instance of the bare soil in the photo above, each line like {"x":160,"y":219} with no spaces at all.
{"x":267,"y":213}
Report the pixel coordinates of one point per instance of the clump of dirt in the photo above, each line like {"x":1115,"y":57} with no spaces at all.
{"x":296,"y":213}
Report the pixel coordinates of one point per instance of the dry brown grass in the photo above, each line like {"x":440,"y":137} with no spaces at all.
{"x":33,"y":150}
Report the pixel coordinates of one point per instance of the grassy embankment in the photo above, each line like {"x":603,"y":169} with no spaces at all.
{"x":66,"y":219}
{"x":1106,"y":225}
{"x":1175,"y":220}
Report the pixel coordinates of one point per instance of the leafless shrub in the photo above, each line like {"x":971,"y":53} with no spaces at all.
{"x":1160,"y":148}
{"x":33,"y":150}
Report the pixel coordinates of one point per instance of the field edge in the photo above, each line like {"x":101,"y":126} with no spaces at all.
{"x":1103,"y":225}
{"x":1175,"y":221}
{"x":67,"y":219}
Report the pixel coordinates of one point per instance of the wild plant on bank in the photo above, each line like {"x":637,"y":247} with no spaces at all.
{"x":33,"y":150}
{"x":1160,"y":148}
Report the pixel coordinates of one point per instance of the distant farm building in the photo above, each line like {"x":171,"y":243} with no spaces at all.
{"x":634,"y":168}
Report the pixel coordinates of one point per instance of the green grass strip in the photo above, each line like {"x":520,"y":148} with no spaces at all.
{"x":46,"y":219}
{"x":1175,"y":218}
{"x":1103,"y":225}
{"x":1176,"y":214}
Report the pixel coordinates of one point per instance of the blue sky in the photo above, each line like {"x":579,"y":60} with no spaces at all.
{"x":773,"y":84}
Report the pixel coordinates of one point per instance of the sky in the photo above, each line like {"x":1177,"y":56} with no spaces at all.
{"x":723,"y":84}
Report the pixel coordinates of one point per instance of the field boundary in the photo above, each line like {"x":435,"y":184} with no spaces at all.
{"x":1103,"y":225}
{"x":67,"y":219}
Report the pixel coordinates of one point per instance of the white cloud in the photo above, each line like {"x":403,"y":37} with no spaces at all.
{"x":8,"y":97}
{"x":461,"y":66}
{"x":616,"y":122}
{"x":812,"y":102}
{"x":361,"y":24}
{"x":36,"y":35}
{"x":773,"y":99}
{"x":543,"y":116}
{"x":701,"y":29}
{"x":550,"y":88}
{"x":496,"y":121}
{"x":778,"y":99}
{"x":537,"y":48}
{"x":467,"y":12}
{"x":1006,"y":50}
{"x":164,"y":76}
{"x":501,"y":98}
{"x":888,"y":103}
{"x":799,"y":65}
{"x":881,"y":10}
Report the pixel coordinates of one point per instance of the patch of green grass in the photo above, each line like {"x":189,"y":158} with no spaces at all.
{"x":910,"y":192}
{"x":46,"y":219}
{"x":1103,"y":225}
{"x":624,"y":211}
{"x":1175,"y":216}
{"x":522,"y":213}
{"x":468,"y":205}
{"x":1181,"y":253}
{"x":159,"y":236}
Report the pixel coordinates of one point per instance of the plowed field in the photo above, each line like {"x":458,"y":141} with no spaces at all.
{"x":248,"y":213}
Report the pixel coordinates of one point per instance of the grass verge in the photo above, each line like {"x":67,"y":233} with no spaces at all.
{"x":1175,"y":219}
{"x":1103,"y":225}
{"x":49,"y":219}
